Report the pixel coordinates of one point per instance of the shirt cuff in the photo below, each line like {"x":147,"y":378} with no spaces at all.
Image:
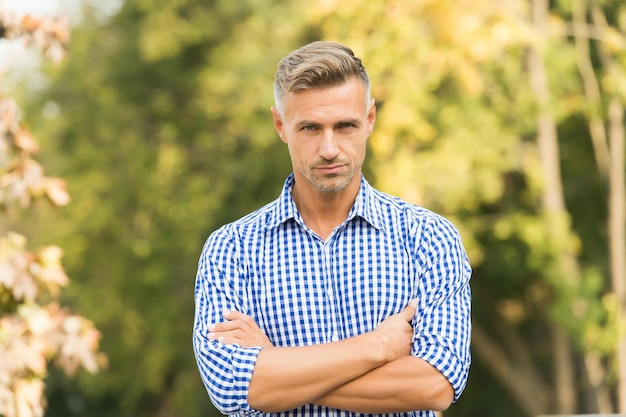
{"x":226,"y":371}
{"x":454,"y":369}
{"x":243,"y":362}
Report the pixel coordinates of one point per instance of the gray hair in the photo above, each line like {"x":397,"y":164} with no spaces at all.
{"x":318,"y":65}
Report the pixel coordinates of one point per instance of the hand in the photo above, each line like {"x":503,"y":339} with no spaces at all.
{"x":396,"y":332}
{"x":239,"y":329}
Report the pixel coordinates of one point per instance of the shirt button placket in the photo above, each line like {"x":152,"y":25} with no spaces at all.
{"x":332,"y":334}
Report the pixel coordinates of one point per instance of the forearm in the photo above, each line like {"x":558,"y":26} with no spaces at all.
{"x":287,"y":377}
{"x":406,"y":384}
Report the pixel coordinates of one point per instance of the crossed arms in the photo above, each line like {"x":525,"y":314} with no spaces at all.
{"x":387,"y":366}
{"x":370,"y":373}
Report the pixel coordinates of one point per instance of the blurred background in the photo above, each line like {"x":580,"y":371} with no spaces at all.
{"x":506,"y":116}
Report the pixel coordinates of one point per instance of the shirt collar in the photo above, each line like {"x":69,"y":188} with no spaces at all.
{"x":365,"y":205}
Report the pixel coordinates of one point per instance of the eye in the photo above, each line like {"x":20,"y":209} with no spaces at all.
{"x":308,"y":127}
{"x":346,"y":125}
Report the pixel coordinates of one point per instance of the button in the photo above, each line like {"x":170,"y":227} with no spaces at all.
{"x":335,"y":338}
{"x":329,"y":292}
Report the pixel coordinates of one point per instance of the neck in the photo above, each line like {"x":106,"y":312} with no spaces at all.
{"x":324,"y":211}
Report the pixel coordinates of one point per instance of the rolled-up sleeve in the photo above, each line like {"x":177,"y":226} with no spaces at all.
{"x":443,"y":320}
{"x":225,"y":370}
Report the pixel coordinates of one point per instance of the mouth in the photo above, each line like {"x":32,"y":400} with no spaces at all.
{"x":330,"y":169}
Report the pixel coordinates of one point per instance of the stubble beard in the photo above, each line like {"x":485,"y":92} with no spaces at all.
{"x":331,"y":183}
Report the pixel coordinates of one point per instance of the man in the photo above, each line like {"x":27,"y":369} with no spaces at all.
{"x":335,"y":299}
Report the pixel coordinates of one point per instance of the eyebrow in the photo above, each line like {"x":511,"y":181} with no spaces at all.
{"x":350,"y":120}
{"x":307,"y":123}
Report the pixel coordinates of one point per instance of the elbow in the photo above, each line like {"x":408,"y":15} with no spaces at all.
{"x":258,"y":399}
{"x":437,"y":396}
{"x":267,"y":401}
{"x":442,"y":396}
{"x":266,"y":404}
{"x":275,"y":400}
{"x":256,"y":403}
{"x":441,"y":405}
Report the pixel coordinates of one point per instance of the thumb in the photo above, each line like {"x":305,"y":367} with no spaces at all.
{"x":410,"y":309}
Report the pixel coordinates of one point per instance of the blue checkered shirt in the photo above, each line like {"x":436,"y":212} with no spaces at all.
{"x":302,"y":290}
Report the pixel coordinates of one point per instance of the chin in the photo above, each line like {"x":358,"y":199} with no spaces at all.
{"x":331,"y":186}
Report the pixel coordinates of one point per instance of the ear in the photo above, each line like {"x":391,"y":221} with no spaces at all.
{"x":371,"y":116}
{"x":278,"y":124}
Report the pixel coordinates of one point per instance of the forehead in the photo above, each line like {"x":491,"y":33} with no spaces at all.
{"x":328,"y":103}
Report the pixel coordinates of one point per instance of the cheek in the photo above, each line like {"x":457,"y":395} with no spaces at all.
{"x":300,"y":149}
{"x":295,"y":152}
{"x":358,"y":148}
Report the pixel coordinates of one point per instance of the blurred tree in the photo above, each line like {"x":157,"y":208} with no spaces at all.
{"x":505,"y":116}
{"x":140,"y":128}
{"x":34,"y":329}
{"x":477,"y":98}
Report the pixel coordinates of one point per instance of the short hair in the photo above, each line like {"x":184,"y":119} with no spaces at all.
{"x":318,"y":64}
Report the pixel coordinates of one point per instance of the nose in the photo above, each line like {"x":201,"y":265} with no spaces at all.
{"x":329,"y":148}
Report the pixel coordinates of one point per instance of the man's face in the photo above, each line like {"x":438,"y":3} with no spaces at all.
{"x":326,"y":131}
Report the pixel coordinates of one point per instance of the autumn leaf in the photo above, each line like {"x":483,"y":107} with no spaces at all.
{"x":56,"y":190}
{"x":34,"y":329}
{"x":25,"y":141}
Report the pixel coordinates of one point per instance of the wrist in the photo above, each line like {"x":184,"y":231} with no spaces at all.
{"x":378,"y":346}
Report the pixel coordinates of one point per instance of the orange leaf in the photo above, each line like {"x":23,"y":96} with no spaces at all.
{"x":25,"y":141}
{"x":30,"y":23}
{"x":56,"y":190}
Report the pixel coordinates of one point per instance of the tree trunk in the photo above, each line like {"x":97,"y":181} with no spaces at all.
{"x":527,"y":390}
{"x":554,"y":209}
{"x":617,"y":210}
{"x":617,"y":236}
{"x":591,"y":86}
{"x":597,"y":374}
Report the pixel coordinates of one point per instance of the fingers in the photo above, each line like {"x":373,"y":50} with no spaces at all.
{"x":234,"y":321}
{"x":238,"y":329}
{"x":410,"y":309}
{"x":221,"y":331}
{"x":235,"y":315}
{"x":227,"y":337}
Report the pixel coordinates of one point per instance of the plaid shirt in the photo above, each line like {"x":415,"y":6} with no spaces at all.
{"x":302,"y":290}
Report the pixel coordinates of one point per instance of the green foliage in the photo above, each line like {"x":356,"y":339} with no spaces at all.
{"x":164,"y":133}
{"x":153,"y":169}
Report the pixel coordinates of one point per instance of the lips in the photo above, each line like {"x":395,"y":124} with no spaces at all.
{"x":330,"y":169}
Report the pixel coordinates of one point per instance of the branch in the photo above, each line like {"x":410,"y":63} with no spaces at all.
{"x":528,"y":393}
{"x":591,"y":86}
